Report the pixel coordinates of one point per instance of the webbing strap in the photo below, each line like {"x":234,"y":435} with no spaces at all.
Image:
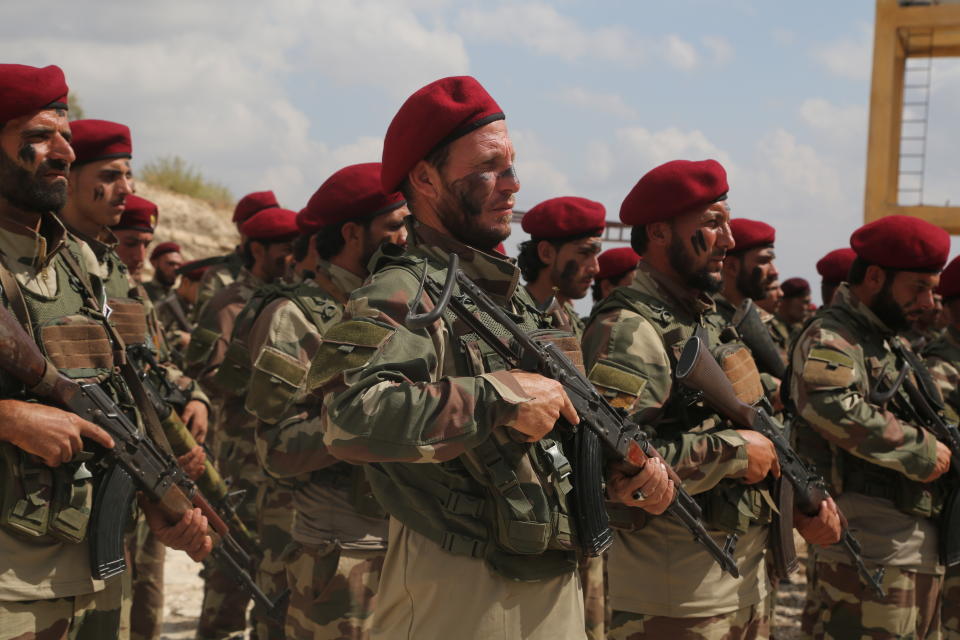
{"x":15,"y":296}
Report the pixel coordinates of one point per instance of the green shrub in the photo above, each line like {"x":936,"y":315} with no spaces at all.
{"x":175,"y":174}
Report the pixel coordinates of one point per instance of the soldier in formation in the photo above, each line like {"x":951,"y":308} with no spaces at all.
{"x":166,"y":259}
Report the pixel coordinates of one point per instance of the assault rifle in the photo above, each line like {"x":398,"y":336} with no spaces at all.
{"x":926,"y":407}
{"x":699,"y":370}
{"x":134,"y":457}
{"x":168,"y":405}
{"x":603,"y":426}
{"x":755,"y":335}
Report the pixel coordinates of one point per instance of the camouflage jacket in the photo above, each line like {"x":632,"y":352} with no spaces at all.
{"x":398,"y":398}
{"x":920,"y":338}
{"x":564,"y":317}
{"x":225,"y":270}
{"x":156,"y":290}
{"x":942,"y":357}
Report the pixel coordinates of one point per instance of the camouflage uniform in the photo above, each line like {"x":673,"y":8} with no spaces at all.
{"x":398,"y":398}
{"x":45,"y":581}
{"x":174,"y":315}
{"x":875,"y":464}
{"x":223,"y":271}
{"x":339,"y":535}
{"x":942,"y":357}
{"x":920,"y":338}
{"x":630,"y":348}
{"x":157,"y":290}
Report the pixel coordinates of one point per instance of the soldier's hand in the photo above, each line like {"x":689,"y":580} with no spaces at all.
{"x":51,"y":434}
{"x":761,"y":457}
{"x":196,"y":416}
{"x":824,"y":528}
{"x":943,"y":462}
{"x":536,"y":417}
{"x":193,"y":462}
{"x":652,"y":489}
{"x":189,"y":534}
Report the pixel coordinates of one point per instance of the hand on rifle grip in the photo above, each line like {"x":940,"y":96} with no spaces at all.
{"x":189,"y":534}
{"x":824,"y":528}
{"x":51,"y":434}
{"x":548,"y":402}
{"x":942,"y":464}
{"x":761,"y":457}
{"x":651,"y":489}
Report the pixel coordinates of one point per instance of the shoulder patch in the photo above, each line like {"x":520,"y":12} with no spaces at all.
{"x":828,"y":368}
{"x":347,"y":345}
{"x":620,"y":387}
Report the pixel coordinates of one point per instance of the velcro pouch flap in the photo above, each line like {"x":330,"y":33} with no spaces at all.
{"x":347,"y":345}
{"x":276,"y":379}
{"x":828,"y":368}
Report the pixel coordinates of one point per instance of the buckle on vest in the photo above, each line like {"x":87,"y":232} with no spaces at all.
{"x":462,"y":504}
{"x":561,"y":465}
{"x":462,"y":545}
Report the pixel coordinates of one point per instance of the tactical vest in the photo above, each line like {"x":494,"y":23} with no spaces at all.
{"x":731,"y":506}
{"x":40,"y":502}
{"x":853,"y":474}
{"x":519,"y":520}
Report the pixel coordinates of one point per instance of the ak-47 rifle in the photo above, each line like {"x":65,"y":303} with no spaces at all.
{"x":153,"y":471}
{"x":755,"y":335}
{"x":926,"y":407}
{"x":699,"y":370}
{"x":601,"y":425}
{"x":167,"y":405}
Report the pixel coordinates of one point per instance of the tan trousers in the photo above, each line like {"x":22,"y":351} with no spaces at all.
{"x":426,"y":592}
{"x":91,"y":616}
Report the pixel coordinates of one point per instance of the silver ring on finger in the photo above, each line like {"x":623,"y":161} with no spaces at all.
{"x":639,"y":495}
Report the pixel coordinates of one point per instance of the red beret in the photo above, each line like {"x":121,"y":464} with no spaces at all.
{"x":253,"y":202}
{"x":564,"y":218}
{"x":501,"y":249}
{"x":673,"y":189}
{"x":835,"y":266}
{"x":794,"y":287}
{"x":100,"y":140}
{"x":270,"y":224}
{"x":351,"y":193}
{"x":750,"y":234}
{"x":193,"y":270}
{"x":616,"y":262}
{"x":435,"y":115}
{"x":902,"y":242}
{"x":164,"y":248}
{"x":139,"y":214}
{"x":950,"y":280}
{"x":24,"y":90}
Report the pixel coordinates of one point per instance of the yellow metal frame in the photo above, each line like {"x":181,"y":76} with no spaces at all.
{"x":891,"y":48}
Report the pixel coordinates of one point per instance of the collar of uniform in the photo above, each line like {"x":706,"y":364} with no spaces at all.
{"x":496,"y":275}
{"x":345,"y":280}
{"x":657,"y":284}
{"x":101,"y":245}
{"x":723,"y":303}
{"x":32,"y":247}
{"x":844,"y":298}
{"x":247,"y":278}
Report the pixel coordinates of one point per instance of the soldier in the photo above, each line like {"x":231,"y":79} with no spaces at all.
{"x":616,"y":269}
{"x":269,"y":236}
{"x":176,"y":308}
{"x":748,"y":269}
{"x":663,"y":584}
{"x":225,"y":269}
{"x":431,"y":414}
{"x":340,"y":532}
{"x":794,"y":307}
{"x":560,"y":259}
{"x":927,"y":326}
{"x":166,"y":259}
{"x":46,"y":589}
{"x":833,"y":269}
{"x":882,"y":468}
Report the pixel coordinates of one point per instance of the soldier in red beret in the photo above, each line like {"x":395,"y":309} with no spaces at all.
{"x":134,"y":233}
{"x":833,"y":269}
{"x":165,"y":258}
{"x":794,"y":305}
{"x":560,"y":259}
{"x":883,"y":466}
{"x":436,"y":408}
{"x":681,"y":228}
{"x":46,"y":587}
{"x":617,"y":268}
{"x":748,"y":269}
{"x":176,"y":308}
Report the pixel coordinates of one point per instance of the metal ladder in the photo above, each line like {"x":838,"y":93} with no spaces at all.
{"x":915,"y":116}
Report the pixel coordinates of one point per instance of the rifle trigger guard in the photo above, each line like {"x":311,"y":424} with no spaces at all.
{"x":420,"y":320}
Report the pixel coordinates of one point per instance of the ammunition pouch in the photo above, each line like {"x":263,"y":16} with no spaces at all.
{"x":913,"y":498}
{"x":276,"y":381}
{"x":78,"y":346}
{"x":732,"y":507}
{"x":129,"y":318}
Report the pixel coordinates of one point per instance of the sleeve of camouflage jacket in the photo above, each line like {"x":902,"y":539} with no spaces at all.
{"x":622,"y":349}
{"x":289,"y":441}
{"x":397,"y":399}
{"x":947,"y":378}
{"x":829,"y":384}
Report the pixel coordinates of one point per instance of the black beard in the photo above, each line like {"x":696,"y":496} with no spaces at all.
{"x":27,"y":191}
{"x":887,"y":309}
{"x":563,"y":280}
{"x":460,"y":212}
{"x":702,"y":280}
{"x":752,"y":284}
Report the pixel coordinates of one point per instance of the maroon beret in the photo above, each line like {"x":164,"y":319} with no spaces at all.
{"x":501,"y":249}
{"x":253,"y":202}
{"x":349,"y":194}
{"x":673,"y":189}
{"x":950,"y":280}
{"x":564,"y":217}
{"x":616,"y":262}
{"x":139,"y":214}
{"x":24,"y":90}
{"x":902,"y":242}
{"x":100,"y":140}
{"x":835,"y":266}
{"x":270,"y":224}
{"x":433,"y":116}
{"x":794,"y":287}
{"x":193,"y":270}
{"x":164,"y":248}
{"x":750,"y":234}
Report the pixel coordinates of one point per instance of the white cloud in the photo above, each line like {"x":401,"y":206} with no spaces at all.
{"x":849,"y":57}
{"x":838,"y":123}
{"x":719,"y":48}
{"x":680,"y":53}
{"x":540,"y":177}
{"x":598,"y":102}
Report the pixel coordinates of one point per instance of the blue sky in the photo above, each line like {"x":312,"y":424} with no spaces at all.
{"x":280,"y":95}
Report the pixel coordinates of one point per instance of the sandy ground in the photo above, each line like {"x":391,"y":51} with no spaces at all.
{"x":184,"y":595}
